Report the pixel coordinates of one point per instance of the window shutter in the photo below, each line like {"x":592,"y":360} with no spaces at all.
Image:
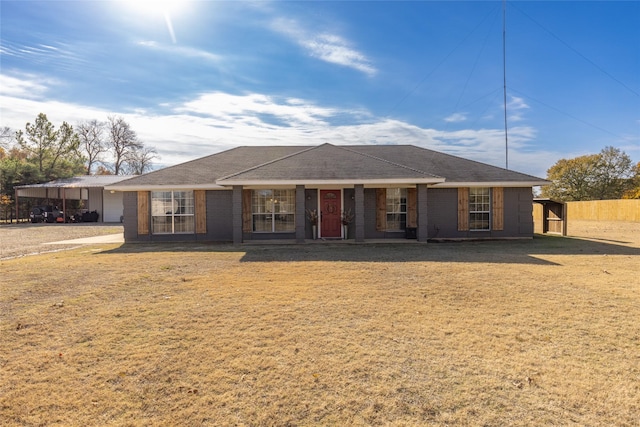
{"x":497,"y":209}
{"x":200,"y":197}
{"x":247,"y":226}
{"x":143,"y":212}
{"x":412,"y":211}
{"x":463,"y":209}
{"x":381,"y":209}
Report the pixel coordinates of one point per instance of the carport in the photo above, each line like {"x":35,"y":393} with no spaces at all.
{"x":88,"y":188}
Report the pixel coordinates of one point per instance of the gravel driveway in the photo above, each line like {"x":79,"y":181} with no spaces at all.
{"x":27,"y":239}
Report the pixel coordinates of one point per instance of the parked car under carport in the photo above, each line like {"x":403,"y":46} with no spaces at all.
{"x":46,"y":213}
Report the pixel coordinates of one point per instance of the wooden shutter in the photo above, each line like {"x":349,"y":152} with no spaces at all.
{"x":412,"y":207}
{"x":381,"y":209}
{"x":247,"y":223}
{"x":200,"y":199}
{"x":497,"y":209}
{"x":463,"y":209}
{"x":143,"y":212}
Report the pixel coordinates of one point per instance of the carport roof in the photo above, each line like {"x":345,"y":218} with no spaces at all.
{"x":85,"y":181}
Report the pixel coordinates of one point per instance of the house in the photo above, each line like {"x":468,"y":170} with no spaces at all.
{"x":387,"y":191}
{"x":90,"y":189}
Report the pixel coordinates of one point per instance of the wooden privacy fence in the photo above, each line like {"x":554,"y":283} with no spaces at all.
{"x":605,"y":210}
{"x":554,"y":217}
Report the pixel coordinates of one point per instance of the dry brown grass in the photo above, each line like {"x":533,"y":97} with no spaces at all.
{"x":18,"y":240}
{"x":541,"y":332}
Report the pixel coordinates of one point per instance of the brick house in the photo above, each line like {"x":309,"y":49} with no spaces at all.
{"x":378,"y":191}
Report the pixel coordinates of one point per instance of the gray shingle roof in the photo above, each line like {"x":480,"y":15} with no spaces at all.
{"x":327,"y":162}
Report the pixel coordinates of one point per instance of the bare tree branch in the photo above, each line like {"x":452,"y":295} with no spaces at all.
{"x":122,"y":140}
{"x":92,"y":142}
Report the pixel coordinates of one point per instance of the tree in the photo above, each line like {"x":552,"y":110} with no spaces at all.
{"x":122,"y":141}
{"x":92,"y":142}
{"x":140,"y":160}
{"x":591,"y":177}
{"x":633,"y":191}
{"x":53,"y":151}
{"x":6,"y":137}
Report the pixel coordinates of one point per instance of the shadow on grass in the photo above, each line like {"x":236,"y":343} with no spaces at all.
{"x":505,"y":251}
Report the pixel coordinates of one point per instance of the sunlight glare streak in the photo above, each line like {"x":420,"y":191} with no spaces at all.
{"x":165,"y":7}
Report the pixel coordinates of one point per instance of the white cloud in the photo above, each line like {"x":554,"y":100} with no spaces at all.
{"x":185,"y":51}
{"x":324,"y":46}
{"x":217,"y":121}
{"x":456,"y":118}
{"x":30,"y":87}
{"x":515,"y":109}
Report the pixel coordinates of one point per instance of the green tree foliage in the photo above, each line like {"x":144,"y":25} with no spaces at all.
{"x":54,"y":152}
{"x":634,"y":189}
{"x":605,"y":175}
{"x":41,"y":153}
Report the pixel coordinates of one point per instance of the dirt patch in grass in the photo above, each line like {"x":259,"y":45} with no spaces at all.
{"x":541,"y":332}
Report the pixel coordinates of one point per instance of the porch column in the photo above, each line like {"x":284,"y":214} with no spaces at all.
{"x":236,"y":213}
{"x":359,"y":220}
{"x":300,"y":214}
{"x":423,"y":223}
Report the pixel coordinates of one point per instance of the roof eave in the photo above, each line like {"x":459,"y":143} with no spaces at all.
{"x":456,"y":184}
{"x":164,"y":187}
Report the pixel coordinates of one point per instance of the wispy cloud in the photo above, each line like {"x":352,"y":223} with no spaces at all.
{"x":456,"y":118}
{"x":185,"y":51}
{"x":516,"y":107}
{"x":325,"y":46}
{"x":231,"y":109}
{"x":30,"y":87}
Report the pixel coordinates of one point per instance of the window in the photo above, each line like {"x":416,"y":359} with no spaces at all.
{"x":479,"y":208}
{"x":273,"y":211}
{"x":172,"y":212}
{"x":396,"y":209}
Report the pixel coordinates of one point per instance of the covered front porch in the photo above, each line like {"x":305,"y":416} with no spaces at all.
{"x":352,"y":213}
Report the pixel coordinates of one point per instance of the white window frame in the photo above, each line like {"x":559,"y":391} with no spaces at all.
{"x":173,"y":211}
{"x":479,"y":205}
{"x":271,"y":210}
{"x":394,"y":198}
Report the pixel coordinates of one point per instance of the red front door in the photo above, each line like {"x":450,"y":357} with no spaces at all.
{"x":330,"y":211}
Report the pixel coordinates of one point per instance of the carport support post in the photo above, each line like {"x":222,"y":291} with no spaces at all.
{"x":236,"y":200}
{"x":359,"y":202}
{"x":64,"y":204}
{"x":423,"y":224}
{"x":17,"y":207}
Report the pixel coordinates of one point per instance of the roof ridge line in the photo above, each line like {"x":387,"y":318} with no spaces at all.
{"x":270,"y":162}
{"x":390,"y":162}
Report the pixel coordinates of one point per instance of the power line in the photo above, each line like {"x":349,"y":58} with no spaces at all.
{"x":567,"y":114}
{"x":577,"y":52}
{"x":397,"y":104}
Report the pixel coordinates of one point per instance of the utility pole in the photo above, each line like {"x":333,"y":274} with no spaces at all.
{"x":504,"y":78}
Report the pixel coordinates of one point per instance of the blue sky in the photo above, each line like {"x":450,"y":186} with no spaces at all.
{"x":197,"y":77}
